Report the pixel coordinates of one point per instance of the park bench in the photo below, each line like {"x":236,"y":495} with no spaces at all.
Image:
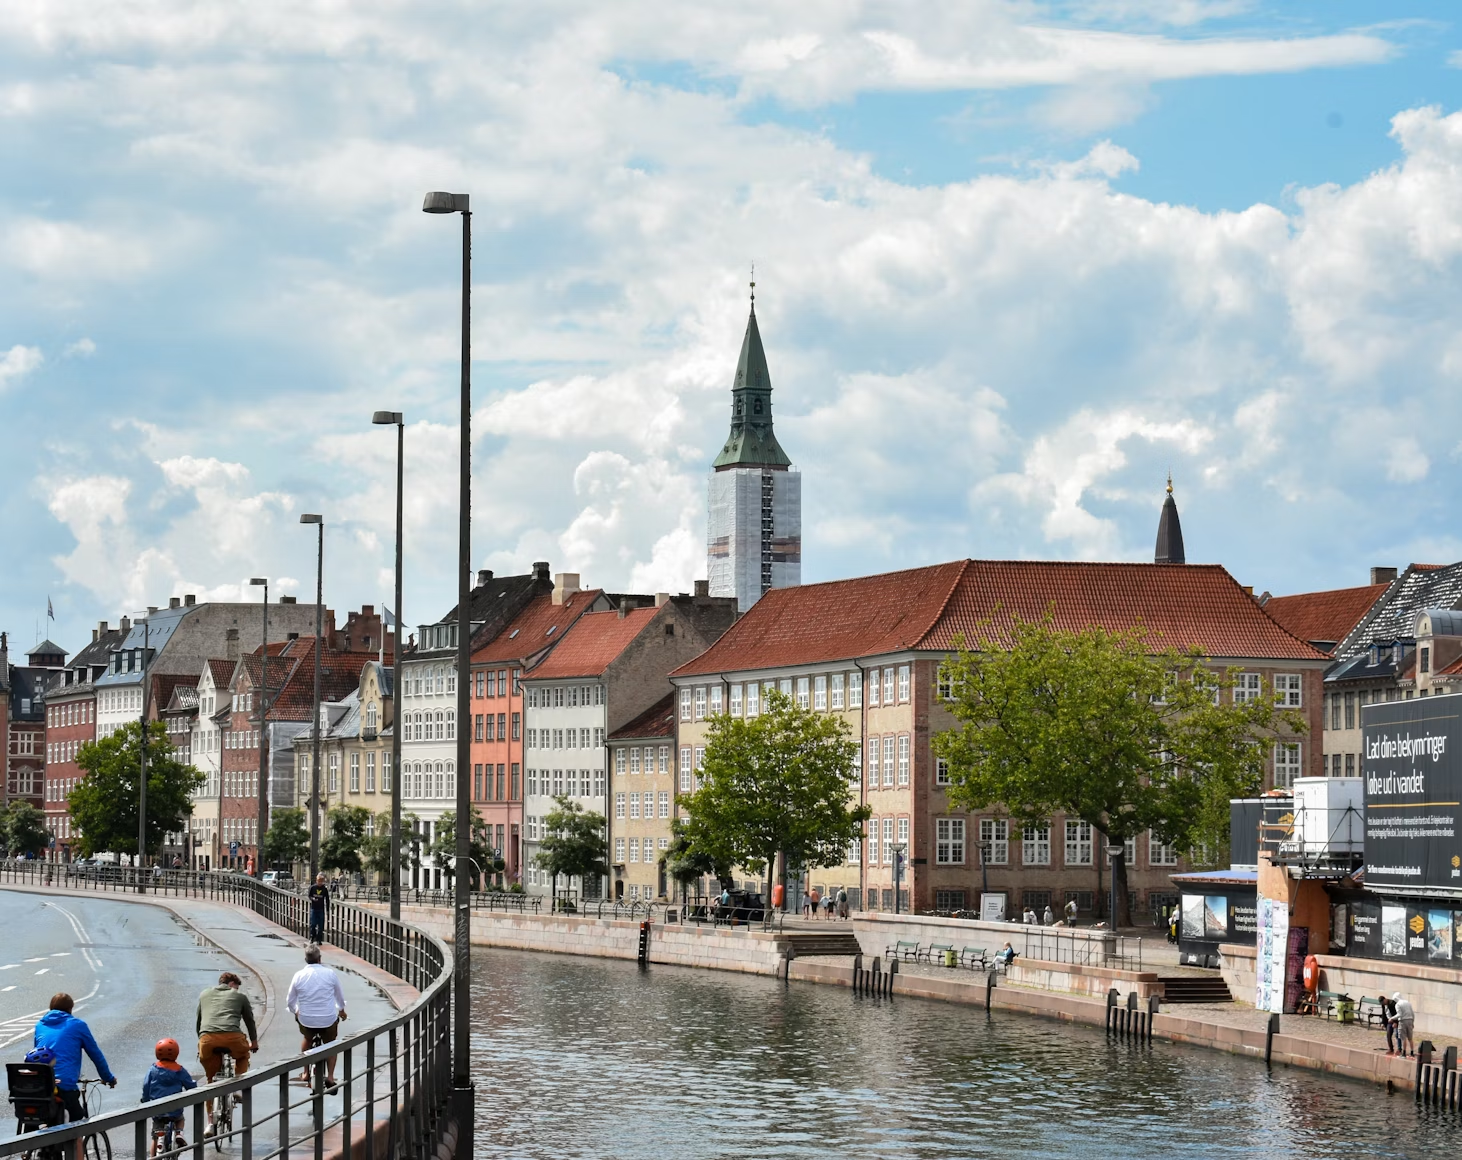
{"x":936,"y":950}
{"x":1334,"y":1005}
{"x":974,"y":957}
{"x":902,"y":950}
{"x":1370,"y":1011}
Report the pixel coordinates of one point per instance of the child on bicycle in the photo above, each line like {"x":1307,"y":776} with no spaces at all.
{"x":167,"y":1077}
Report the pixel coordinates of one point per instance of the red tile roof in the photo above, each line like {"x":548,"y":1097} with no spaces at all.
{"x":222,"y":670}
{"x":593,"y":643}
{"x":656,"y":721}
{"x":1181,"y":606}
{"x":542,"y":624}
{"x":1324,"y":615}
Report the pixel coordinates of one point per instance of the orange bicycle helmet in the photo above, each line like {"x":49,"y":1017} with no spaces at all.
{"x":167,"y":1049}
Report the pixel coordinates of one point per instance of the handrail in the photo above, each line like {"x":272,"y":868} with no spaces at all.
{"x":395,"y":1077}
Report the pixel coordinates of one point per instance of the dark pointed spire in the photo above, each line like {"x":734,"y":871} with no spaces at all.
{"x":1169,"y":532}
{"x":752,"y":443}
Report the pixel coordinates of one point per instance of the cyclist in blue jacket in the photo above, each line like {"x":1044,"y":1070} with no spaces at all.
{"x":67,"y":1037}
{"x":167,"y":1077}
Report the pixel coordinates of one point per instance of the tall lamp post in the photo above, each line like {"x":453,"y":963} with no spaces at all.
{"x":263,"y":822}
{"x":387,"y":418}
{"x":898,"y":874}
{"x":319,"y":521}
{"x":142,"y":761}
{"x":463,"y":1097}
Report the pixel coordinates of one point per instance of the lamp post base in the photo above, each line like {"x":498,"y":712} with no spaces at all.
{"x":464,"y":1111}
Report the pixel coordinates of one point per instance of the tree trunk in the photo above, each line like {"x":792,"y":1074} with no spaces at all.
{"x":1123,"y":917}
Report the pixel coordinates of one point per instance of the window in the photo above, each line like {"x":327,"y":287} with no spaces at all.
{"x":941,"y":771}
{"x":995,"y":841}
{"x":634,"y":853}
{"x":634,"y":806}
{"x":685,"y":696}
{"x":502,"y":682}
{"x":385,"y":773}
{"x":1424,"y":663}
{"x":904,"y":832}
{"x":634,"y":760}
{"x":333,"y":776}
{"x":1287,"y":688}
{"x":700,"y":757}
{"x":700,"y":702}
{"x":370,"y":779}
{"x":1035,"y":845}
{"x":819,"y":693}
{"x":888,"y":685}
{"x":479,"y":685}
{"x":517,"y":786}
{"x":873,"y":688}
{"x":532,"y":741}
{"x":887,"y":841}
{"x":716,"y":692}
{"x":889,"y":742}
{"x":873,"y":752}
{"x":477,"y":782}
{"x":903,"y":759}
{"x":903,"y":683}
{"x":1160,"y":853}
{"x":664,"y":803}
{"x":354,"y":773}
{"x":855,"y":690}
{"x":619,"y":849}
{"x":1334,"y":699}
{"x":1078,"y":843}
{"x":664,"y":759}
{"x":1350,"y":710}
{"x":802,"y":692}
{"x":873,"y":842}
{"x":949,"y":841}
{"x":736,"y":700}
{"x":620,"y":761}
{"x":1286,"y":764}
{"x":517,"y":725}
{"x":1247,"y":687}
{"x":685,"y":769}
{"x":837,"y":691}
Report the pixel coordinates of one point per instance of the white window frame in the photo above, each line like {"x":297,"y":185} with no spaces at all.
{"x":1160,"y":853}
{"x":995,"y":835}
{"x":903,"y":684}
{"x":1078,"y":843}
{"x":855,"y":690}
{"x":1035,"y":845}
{"x":735,"y":700}
{"x":1289,"y":690}
{"x":1247,"y":687}
{"x":949,"y":841}
{"x":903,"y":759}
{"x":700,"y":702}
{"x":1288,"y":763}
{"x":685,"y":703}
{"x":819,"y":692}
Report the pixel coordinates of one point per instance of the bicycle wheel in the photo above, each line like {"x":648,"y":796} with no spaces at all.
{"x":98,"y":1147}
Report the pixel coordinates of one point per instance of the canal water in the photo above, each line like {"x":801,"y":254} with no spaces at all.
{"x":599,"y":1058}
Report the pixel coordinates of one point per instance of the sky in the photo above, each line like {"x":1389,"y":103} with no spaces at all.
{"x":1015,"y":263}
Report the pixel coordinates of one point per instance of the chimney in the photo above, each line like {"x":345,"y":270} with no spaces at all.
{"x":1382,"y":575}
{"x":702,"y":587}
{"x":95,"y":635}
{"x":126,"y":625}
{"x":540,"y":569}
{"x":291,"y":636}
{"x":174,"y":602}
{"x":626,"y":605}
{"x":483,"y":576}
{"x":662,"y":599}
{"x":565,"y":584}
{"x":151,"y":608}
{"x":232,"y":649}
{"x":286,"y":600}
{"x":189,"y":600}
{"x":1248,"y":589}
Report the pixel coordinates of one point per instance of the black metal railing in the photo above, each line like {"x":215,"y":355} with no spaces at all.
{"x":1083,"y":947}
{"x":394,"y":1079}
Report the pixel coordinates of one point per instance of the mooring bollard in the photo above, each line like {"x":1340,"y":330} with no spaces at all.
{"x":989,"y":988}
{"x":893,"y":969}
{"x":1111,"y":1010}
{"x":1152,"y":1009}
{"x":875,"y":984}
{"x":644,"y":957}
{"x":857,"y":972}
{"x":1424,"y":1055}
{"x":1269,"y":1035}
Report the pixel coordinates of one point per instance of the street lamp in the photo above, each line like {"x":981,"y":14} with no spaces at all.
{"x":386,"y":418}
{"x":898,"y":872}
{"x":319,"y":521}
{"x":263,"y":823}
{"x":1112,"y":852}
{"x":462,"y":927}
{"x":142,"y":761}
{"x":984,"y":873}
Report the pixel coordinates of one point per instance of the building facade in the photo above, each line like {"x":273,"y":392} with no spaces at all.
{"x":70,"y":724}
{"x":754,"y":526}
{"x":642,"y":791}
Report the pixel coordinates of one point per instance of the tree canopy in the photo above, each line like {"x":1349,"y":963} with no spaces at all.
{"x":573,"y":843}
{"x":444,"y":847}
{"x":22,"y":829}
{"x":341,"y":849}
{"x":286,"y":840}
{"x":1102,"y":727}
{"x":686,"y":862}
{"x":779,"y":783}
{"x":104,"y":805}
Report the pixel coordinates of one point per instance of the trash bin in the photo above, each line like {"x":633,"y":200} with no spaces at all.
{"x":1345,"y":1009}
{"x":951,"y":959}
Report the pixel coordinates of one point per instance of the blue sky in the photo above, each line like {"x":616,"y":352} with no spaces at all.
{"x":1015,"y":262}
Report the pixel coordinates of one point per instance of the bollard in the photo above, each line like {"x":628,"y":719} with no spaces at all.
{"x":1424,"y":1069}
{"x":893,"y":969}
{"x":1130,"y":1017}
{"x":857,"y":972}
{"x":989,"y":989}
{"x":1269,"y":1036}
{"x":1111,"y":1010}
{"x":875,"y":984}
{"x":1152,"y":1009}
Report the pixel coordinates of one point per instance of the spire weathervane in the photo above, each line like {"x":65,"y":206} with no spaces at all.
{"x":753,"y":287}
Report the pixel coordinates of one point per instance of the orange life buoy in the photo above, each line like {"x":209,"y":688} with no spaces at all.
{"x":778,"y":893}
{"x":1312,"y":973}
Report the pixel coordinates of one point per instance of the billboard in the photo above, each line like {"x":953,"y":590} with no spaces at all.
{"x":1412,"y":761}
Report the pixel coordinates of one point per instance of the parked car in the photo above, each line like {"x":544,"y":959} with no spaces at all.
{"x":280,"y":878}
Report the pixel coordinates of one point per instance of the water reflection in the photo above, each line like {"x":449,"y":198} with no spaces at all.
{"x":594,"y":1058}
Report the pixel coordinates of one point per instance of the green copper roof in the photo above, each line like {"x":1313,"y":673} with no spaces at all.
{"x":752,"y":443}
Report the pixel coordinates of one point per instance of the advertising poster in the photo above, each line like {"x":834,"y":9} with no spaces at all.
{"x":1215,"y":917}
{"x":992,"y":907}
{"x":1439,"y":936}
{"x":1412,"y":762}
{"x":1294,"y":966}
{"x":1393,"y":931}
{"x":1192,"y":921}
{"x":1272,"y":957}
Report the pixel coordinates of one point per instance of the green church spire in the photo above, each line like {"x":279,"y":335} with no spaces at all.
{"x":752,"y":443}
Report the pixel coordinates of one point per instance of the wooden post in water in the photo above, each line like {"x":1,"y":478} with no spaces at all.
{"x":1269,"y":1035}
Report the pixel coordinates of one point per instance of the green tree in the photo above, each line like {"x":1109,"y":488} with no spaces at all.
{"x":376,"y":850}
{"x":573,"y":843}
{"x":23,"y":829}
{"x":685,"y":862}
{"x":341,"y":850}
{"x":779,"y":783}
{"x":104,"y":805}
{"x":286,"y":840}
{"x":1102,"y":727}
{"x":485,"y":859}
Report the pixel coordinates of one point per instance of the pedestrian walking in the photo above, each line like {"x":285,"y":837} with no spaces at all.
{"x":806,"y":905}
{"x":827,"y":906}
{"x":1049,"y":918}
{"x":319,"y":896}
{"x":1071,"y":911}
{"x":842,"y":903}
{"x":1029,"y":915}
{"x":1406,"y":1019}
{"x":1388,"y":1021}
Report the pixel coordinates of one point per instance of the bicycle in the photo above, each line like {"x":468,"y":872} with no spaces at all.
{"x":223,"y":1105}
{"x":167,"y":1140}
{"x":38,"y":1107}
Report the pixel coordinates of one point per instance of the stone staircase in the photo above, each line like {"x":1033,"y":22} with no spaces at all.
{"x":1194,"y":989}
{"x":804,"y":944}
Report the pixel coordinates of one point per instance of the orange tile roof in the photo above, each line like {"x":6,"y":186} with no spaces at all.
{"x":593,"y":643}
{"x":656,"y":721}
{"x":1324,"y":615}
{"x":542,"y":624}
{"x":1181,"y":606}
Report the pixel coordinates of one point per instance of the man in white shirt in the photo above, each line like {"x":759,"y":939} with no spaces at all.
{"x":317,"y":1004}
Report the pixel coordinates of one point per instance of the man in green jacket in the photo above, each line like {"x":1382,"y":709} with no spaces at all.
{"x":223,"y":1012}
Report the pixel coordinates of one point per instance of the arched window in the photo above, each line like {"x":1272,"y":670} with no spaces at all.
{"x":441,"y":729}
{"x":451,"y":725}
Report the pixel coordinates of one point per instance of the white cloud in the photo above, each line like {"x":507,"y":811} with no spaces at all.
{"x":18,"y":362}
{"x":81,"y":348}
